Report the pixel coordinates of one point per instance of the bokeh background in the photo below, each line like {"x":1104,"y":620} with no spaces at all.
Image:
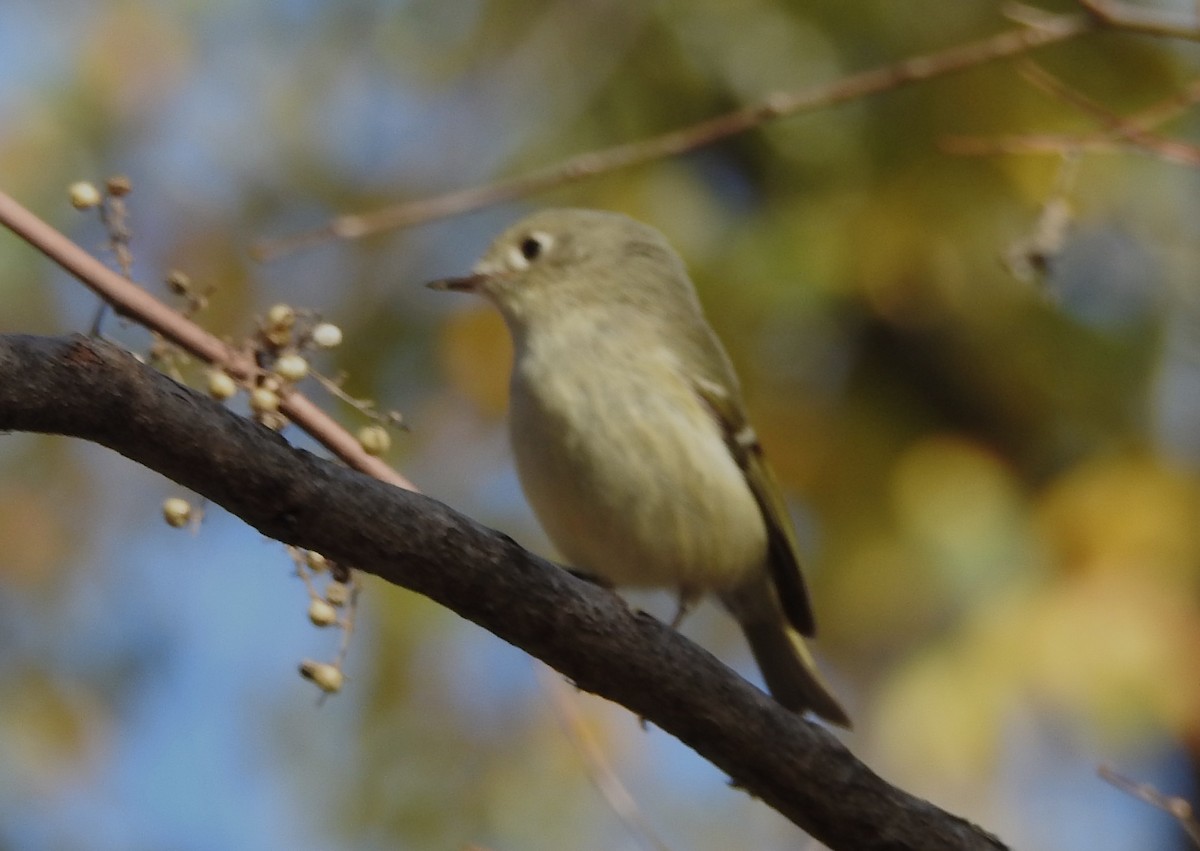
{"x":994,"y":478}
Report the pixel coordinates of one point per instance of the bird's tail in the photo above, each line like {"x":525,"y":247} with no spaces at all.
{"x":785,"y":662}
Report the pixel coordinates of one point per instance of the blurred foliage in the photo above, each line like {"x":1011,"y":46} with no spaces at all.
{"x":995,"y":479}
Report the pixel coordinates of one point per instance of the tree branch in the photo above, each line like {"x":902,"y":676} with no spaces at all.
{"x":1134,"y":19}
{"x":129,"y":299}
{"x":1050,"y":29}
{"x":89,"y":389}
{"x":1038,"y":30}
{"x":1126,"y":134}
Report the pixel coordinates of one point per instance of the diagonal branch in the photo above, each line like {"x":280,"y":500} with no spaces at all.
{"x":1179,"y":808}
{"x":1049,"y":30}
{"x":89,"y":389}
{"x":1135,"y":19}
{"x":1130,"y":130}
{"x":1037,"y":31}
{"x":131,"y":300}
{"x":1133,"y":133}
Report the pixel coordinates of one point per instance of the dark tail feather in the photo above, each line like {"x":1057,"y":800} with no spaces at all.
{"x":786,"y":665}
{"x":789,"y":671}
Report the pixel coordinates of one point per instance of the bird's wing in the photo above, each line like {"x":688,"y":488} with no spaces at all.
{"x":783,"y":557}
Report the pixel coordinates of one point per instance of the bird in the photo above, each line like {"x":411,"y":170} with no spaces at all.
{"x":630,"y":435}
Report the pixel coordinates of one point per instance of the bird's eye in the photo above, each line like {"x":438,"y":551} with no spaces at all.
{"x":528,"y":249}
{"x":531,"y":248}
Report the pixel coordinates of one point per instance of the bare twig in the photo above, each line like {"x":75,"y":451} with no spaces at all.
{"x":1124,"y":134}
{"x":1123,"y":16}
{"x":598,"y":768}
{"x":1038,"y":29}
{"x":1168,"y":108}
{"x":349,"y":620}
{"x":1050,"y":30}
{"x":133,"y":301}
{"x":114,"y":217}
{"x":1179,"y":808}
{"x":1166,"y":150}
{"x":366,"y":407}
{"x":1119,"y":127}
{"x":1033,"y":143}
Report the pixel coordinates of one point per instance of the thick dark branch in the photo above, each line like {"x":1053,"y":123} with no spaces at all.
{"x":88,"y":389}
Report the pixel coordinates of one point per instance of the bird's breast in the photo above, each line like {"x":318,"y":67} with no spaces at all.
{"x":626,"y":468}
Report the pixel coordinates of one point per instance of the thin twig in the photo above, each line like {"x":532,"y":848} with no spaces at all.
{"x":1124,"y":134}
{"x":1168,"y":108}
{"x":1122,"y":129}
{"x":1004,"y":45}
{"x":114,"y":217}
{"x":1178,"y":808}
{"x":1123,"y":16}
{"x":349,"y":620}
{"x":133,"y":301}
{"x":1046,"y":82}
{"x":1033,"y":143}
{"x":366,"y":407}
{"x":598,"y":768}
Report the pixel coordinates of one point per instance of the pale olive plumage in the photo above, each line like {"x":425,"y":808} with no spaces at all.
{"x":630,"y":434}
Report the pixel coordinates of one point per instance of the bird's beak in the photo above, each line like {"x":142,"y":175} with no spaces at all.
{"x":466,"y":284}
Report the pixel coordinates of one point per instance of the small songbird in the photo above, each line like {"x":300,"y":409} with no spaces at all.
{"x":630,"y":435}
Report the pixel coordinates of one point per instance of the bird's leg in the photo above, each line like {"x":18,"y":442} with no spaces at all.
{"x":687,"y":599}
